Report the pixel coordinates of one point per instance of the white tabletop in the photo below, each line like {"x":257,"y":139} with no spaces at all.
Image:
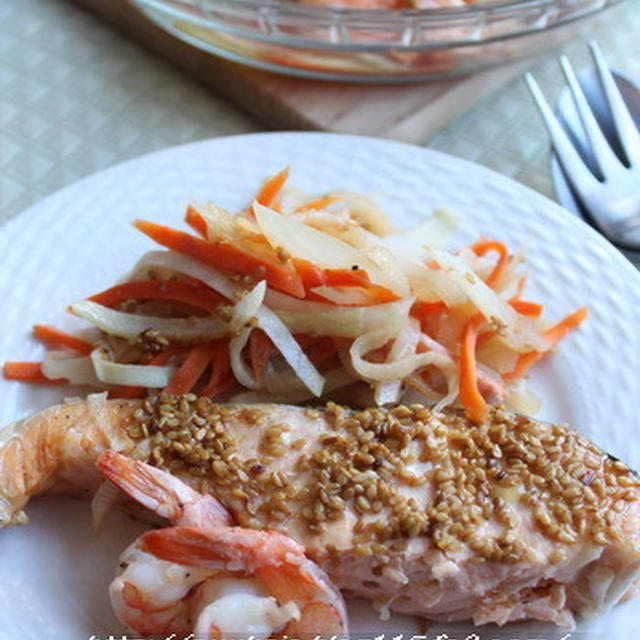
{"x":76,"y":96}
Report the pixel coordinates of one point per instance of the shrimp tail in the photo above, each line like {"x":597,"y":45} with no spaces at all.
{"x":162,"y":493}
{"x":192,"y":547}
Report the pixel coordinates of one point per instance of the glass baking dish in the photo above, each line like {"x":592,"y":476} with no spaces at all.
{"x":372,"y":45}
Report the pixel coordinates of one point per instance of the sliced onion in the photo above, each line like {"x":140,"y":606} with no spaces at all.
{"x":220,"y":223}
{"x":291,"y":351}
{"x":240,"y":370}
{"x":130,"y":325}
{"x":345,"y":296}
{"x":58,"y":364}
{"x":366,"y":212}
{"x":183,"y":264}
{"x":247,"y":307}
{"x":267,"y":320}
{"x":130,"y":375}
{"x":391,"y":370}
{"x":105,"y":498}
{"x":519,"y":332}
{"x":435,"y":231}
{"x":404,"y":345}
{"x":303,"y":241}
{"x":349,"y":322}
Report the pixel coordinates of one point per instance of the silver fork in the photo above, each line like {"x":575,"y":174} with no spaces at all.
{"x":611,"y":192}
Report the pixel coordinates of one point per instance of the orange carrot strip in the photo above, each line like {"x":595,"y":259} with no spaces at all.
{"x":482,"y":247}
{"x":474,"y":404}
{"x":222,"y":255}
{"x":569,"y":323}
{"x":195,"y":295}
{"x":28,"y":372}
{"x":55,"y":338}
{"x":422,"y":308}
{"x":552,"y":336}
{"x":320,"y":203}
{"x":196,"y":222}
{"x":191,"y":369}
{"x":310,"y":274}
{"x":161,"y":359}
{"x":271,"y":188}
{"x":260,"y":348}
{"x":347,"y":277}
{"x":221,"y":377}
{"x":226,"y":383}
{"x":526,"y":308}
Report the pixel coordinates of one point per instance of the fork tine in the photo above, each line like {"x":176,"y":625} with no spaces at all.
{"x":625,"y":126}
{"x":572,"y":163}
{"x":606,"y":159}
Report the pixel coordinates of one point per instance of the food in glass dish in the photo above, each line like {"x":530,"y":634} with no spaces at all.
{"x":302,"y":297}
{"x":420,"y":511}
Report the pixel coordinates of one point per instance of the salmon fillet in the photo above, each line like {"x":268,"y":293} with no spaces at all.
{"x":420,"y":511}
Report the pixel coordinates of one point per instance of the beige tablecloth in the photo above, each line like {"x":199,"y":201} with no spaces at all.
{"x":76,"y":96}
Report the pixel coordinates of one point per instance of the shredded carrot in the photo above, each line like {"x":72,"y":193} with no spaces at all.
{"x":482,"y":247}
{"x":569,"y":323}
{"x":55,"y":338}
{"x":221,"y":378}
{"x":195,"y":295}
{"x":191,"y":369}
{"x":260,"y":348}
{"x":28,"y":372}
{"x":314,"y":276}
{"x":320,"y":203}
{"x":161,"y":359}
{"x":422,"y":308}
{"x":196,"y":222}
{"x":526,"y":308}
{"x":310,"y":274}
{"x":553,"y":335}
{"x":222,"y":255}
{"x":474,"y":404}
{"x":347,"y":277}
{"x":272,"y":187}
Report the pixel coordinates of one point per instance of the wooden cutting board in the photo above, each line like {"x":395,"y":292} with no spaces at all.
{"x":409,"y":112}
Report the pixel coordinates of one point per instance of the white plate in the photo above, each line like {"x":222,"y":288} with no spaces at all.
{"x":54,"y":574}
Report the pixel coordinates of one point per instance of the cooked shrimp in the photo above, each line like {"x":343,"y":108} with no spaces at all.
{"x":154,"y":596}
{"x":278,"y":563}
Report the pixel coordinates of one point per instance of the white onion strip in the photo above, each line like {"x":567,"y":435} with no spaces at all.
{"x":105,"y":498}
{"x":247,"y":307}
{"x":325,"y":250}
{"x":267,"y":320}
{"x":57,"y":365}
{"x":374,"y":371}
{"x":349,"y":322}
{"x":404,"y":345}
{"x":291,"y":351}
{"x":521,"y":333}
{"x":130,"y":375}
{"x":240,"y":370}
{"x":130,"y":325}
{"x":177,"y":262}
